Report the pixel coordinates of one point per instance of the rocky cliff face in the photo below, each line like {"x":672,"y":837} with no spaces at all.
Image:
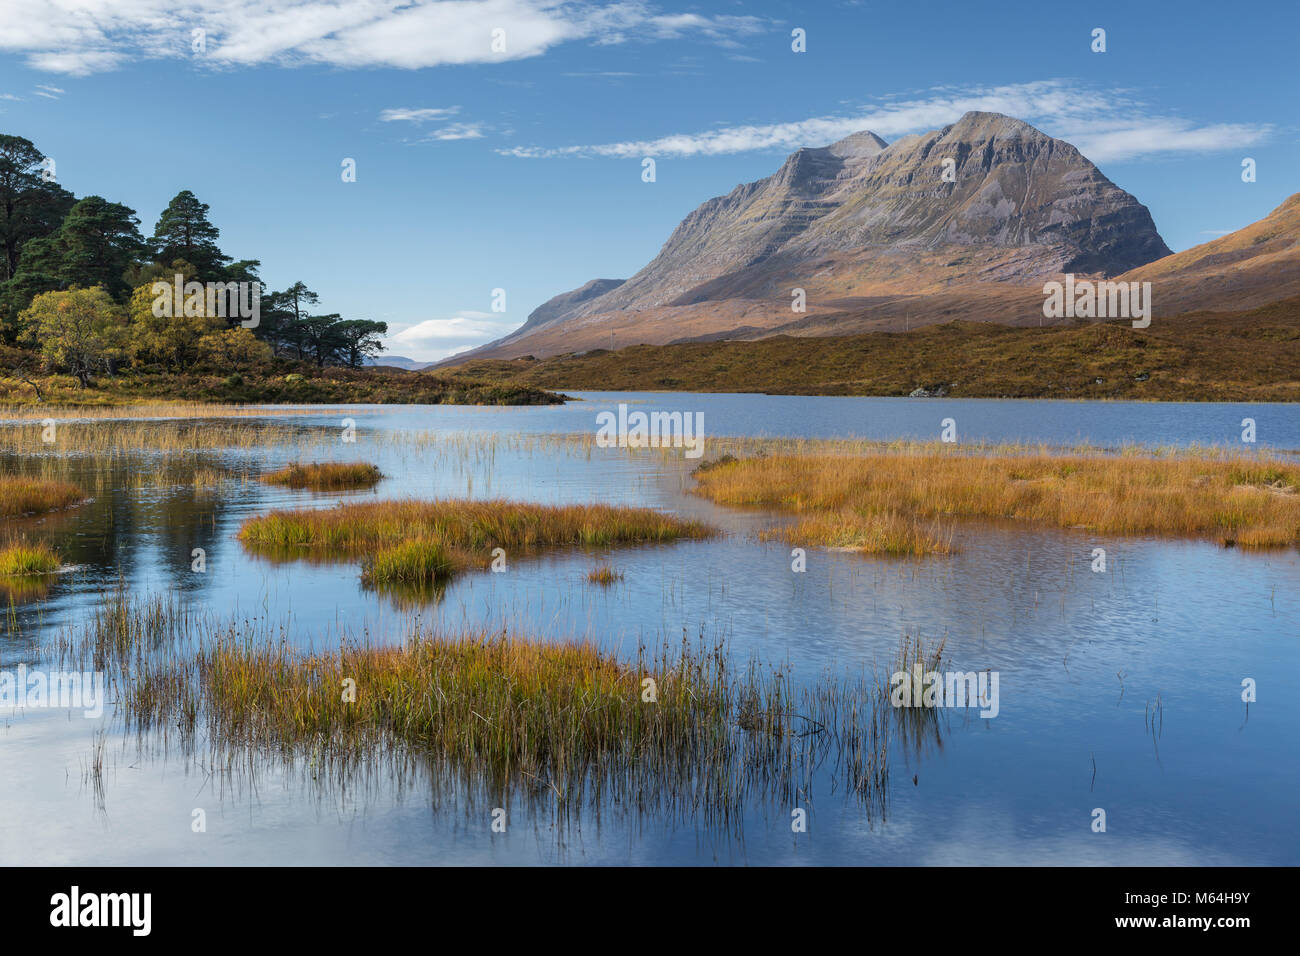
{"x":864,"y":218}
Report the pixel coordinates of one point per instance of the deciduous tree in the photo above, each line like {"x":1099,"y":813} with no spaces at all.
{"x":80,"y":331}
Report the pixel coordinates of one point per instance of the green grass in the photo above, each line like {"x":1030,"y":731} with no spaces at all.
{"x":326,"y":476}
{"x":21,"y":558}
{"x":416,"y":562}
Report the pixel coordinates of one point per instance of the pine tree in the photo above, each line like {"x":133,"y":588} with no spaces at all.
{"x":184,"y":232}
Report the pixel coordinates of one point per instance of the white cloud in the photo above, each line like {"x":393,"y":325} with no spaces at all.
{"x":425,"y":115}
{"x":71,"y":62}
{"x":1105,"y":126}
{"x":1151,"y":135}
{"x":452,"y":131}
{"x":458,"y":131}
{"x":435,"y":339}
{"x":102,"y":34}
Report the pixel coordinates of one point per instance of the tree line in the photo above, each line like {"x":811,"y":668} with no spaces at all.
{"x":77,"y":287}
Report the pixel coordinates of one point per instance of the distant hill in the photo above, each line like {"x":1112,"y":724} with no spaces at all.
{"x":398,"y":361}
{"x":1244,"y":269}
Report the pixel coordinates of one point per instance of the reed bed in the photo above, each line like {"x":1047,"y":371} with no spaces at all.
{"x":326,"y":476}
{"x":679,"y":727}
{"x":177,"y":410}
{"x":403,"y":540}
{"x":184,"y":436}
{"x":91,"y":436}
{"x":21,"y":495}
{"x":1248,"y":502}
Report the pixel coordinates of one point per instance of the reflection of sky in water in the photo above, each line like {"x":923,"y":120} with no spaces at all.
{"x":1081,"y":657}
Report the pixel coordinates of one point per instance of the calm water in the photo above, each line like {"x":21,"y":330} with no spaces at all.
{"x":1082,"y":657}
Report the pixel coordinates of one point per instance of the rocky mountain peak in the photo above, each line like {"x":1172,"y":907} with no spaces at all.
{"x":988,"y":198}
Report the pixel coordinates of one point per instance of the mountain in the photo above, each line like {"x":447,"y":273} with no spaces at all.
{"x":397,"y":361}
{"x":1251,"y":267}
{"x":875,"y":235}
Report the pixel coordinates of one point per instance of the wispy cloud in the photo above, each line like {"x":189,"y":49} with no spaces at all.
{"x":1105,"y":125}
{"x":406,"y":34}
{"x":458,"y":131}
{"x":424,"y":115}
{"x":451,"y":131}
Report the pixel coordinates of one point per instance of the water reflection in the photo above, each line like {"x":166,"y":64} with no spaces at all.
{"x":1083,"y":656}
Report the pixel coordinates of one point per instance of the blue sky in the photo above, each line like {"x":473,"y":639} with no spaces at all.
{"x":520,"y":169}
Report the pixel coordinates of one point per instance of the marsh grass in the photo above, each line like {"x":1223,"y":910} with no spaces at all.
{"x":885,"y":533}
{"x":206,"y":476}
{"x":259,"y":431}
{"x":158,"y":410}
{"x":854,"y":500}
{"x":21,"y":494}
{"x":408,"y":564}
{"x":408,"y":541}
{"x":920,"y":727}
{"x":604,"y":576}
{"x":566,"y":722}
{"x":22,"y":558}
{"x":326,"y":476}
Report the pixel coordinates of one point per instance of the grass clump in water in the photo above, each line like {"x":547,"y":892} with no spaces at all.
{"x":855,"y":500}
{"x":326,"y":476}
{"x":416,"y":562}
{"x":402,"y":539}
{"x":20,"y":495}
{"x":604,"y":576}
{"x":22,"y":558}
{"x":501,"y":710}
{"x":887,"y":533}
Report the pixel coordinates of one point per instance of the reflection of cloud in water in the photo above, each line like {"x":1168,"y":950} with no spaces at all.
{"x":993,"y":838}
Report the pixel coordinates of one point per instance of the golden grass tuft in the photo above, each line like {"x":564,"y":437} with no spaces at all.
{"x":326,"y":476}
{"x":22,"y":558}
{"x":885,"y":533}
{"x":563,"y":718}
{"x":417,"y":562}
{"x":405,"y":540}
{"x":604,"y":576}
{"x":1247,"y":503}
{"x":20,"y":495}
